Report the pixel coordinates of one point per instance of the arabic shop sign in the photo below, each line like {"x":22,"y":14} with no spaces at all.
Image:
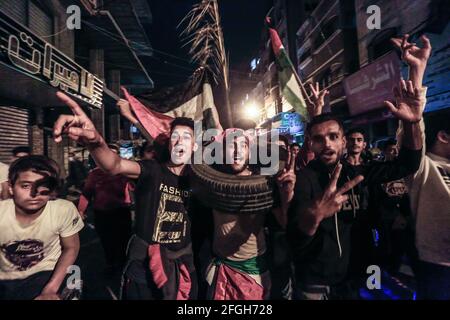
{"x":369,"y":87}
{"x":290,"y":123}
{"x":35,"y":57}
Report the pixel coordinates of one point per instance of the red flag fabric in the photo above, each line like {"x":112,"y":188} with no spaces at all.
{"x":157,"y":124}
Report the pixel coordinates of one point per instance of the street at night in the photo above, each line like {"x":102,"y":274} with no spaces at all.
{"x":270,"y":151}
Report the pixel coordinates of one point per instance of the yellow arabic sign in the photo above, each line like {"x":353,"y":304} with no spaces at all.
{"x":34,"y":56}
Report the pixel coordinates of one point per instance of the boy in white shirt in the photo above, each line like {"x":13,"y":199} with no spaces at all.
{"x":38,"y":238}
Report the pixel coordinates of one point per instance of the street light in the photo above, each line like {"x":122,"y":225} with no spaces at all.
{"x":252,"y":111}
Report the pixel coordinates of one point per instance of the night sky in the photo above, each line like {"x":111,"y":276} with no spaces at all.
{"x":242,"y":23}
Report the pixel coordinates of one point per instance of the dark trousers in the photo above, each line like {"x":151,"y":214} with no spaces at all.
{"x":281,"y":269}
{"x":393,"y":245}
{"x":24,"y":289}
{"x":133,"y":290}
{"x":347,"y":290}
{"x":114,"y":230}
{"x":433,"y":281}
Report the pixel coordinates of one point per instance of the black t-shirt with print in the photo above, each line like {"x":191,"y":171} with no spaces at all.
{"x":162,"y":200}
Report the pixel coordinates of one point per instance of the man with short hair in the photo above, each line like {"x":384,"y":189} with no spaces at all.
{"x":38,"y":237}
{"x":160,"y":260}
{"x":17,"y":152}
{"x":361,"y":235}
{"x":239,"y":270}
{"x":390,"y":214}
{"x":322,"y":212}
{"x":356,"y":144}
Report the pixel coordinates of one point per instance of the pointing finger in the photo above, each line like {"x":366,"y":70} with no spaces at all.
{"x":76,"y":109}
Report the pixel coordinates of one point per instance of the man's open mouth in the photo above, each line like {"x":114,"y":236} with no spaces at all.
{"x":179,"y":152}
{"x":328,"y":154}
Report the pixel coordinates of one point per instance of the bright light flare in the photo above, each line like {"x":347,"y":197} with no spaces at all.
{"x":252,"y":111}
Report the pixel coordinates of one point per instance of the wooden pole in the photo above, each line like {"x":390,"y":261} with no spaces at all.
{"x":225,"y":69}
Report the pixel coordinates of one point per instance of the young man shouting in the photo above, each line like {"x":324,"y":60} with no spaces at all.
{"x":322,"y":213}
{"x":160,"y":261}
{"x":239,"y":270}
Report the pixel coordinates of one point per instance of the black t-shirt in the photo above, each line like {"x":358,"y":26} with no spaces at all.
{"x":162,"y":200}
{"x":324,"y":257}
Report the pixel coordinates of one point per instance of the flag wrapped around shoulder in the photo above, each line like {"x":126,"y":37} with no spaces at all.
{"x":156,"y":109}
{"x":287,"y":76}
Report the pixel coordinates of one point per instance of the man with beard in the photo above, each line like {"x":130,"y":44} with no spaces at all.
{"x":38,"y":236}
{"x":322,"y":213}
{"x":361,"y":236}
{"x":239,"y":269}
{"x":160,"y":261}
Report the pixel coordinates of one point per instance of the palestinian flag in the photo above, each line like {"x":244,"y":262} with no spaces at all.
{"x":156,"y":109}
{"x":289,"y":85}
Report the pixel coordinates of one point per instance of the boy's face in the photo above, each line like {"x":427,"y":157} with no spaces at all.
{"x":27,"y":199}
{"x":181,"y":145}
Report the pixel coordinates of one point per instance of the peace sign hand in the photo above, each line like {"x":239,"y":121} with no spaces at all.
{"x":286,"y":181}
{"x":332,"y":198}
{"x":317,"y":100}
{"x":78,"y":126}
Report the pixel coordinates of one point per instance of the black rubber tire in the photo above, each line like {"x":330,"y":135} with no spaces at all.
{"x":230,"y":193}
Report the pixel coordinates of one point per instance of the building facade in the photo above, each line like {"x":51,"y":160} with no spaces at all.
{"x":327,"y":50}
{"x":90,"y":63}
{"x":397,"y":18}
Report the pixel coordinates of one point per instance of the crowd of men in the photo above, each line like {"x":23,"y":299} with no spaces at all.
{"x":315,"y":243}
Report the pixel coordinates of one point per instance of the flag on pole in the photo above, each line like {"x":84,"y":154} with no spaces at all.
{"x":287,"y":76}
{"x":156,"y":110}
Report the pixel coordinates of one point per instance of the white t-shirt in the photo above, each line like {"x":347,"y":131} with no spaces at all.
{"x":238,"y":237}
{"x":26,"y":250}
